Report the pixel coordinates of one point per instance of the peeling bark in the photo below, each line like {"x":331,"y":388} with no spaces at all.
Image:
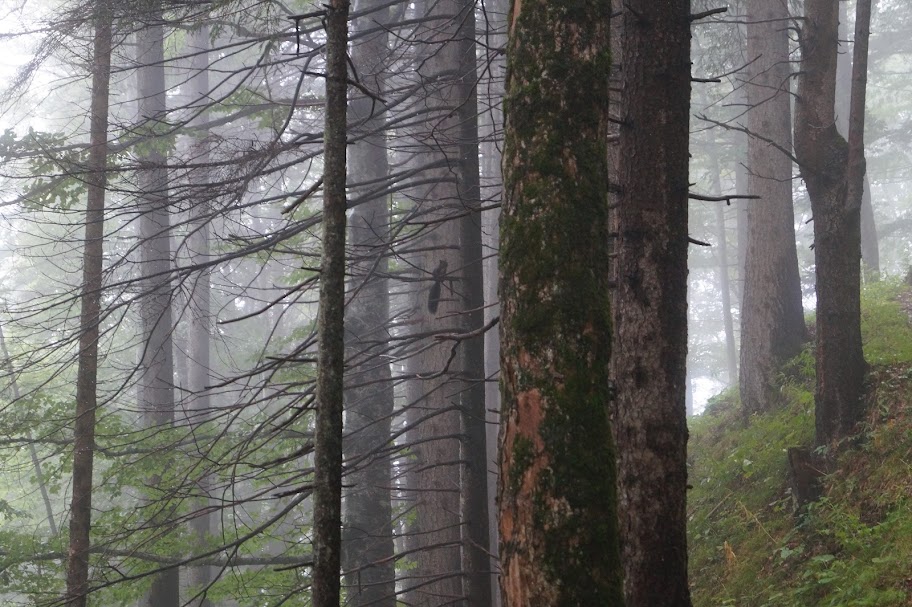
{"x":556,"y":493}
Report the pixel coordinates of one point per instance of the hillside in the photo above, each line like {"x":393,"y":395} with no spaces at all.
{"x":748,"y":547}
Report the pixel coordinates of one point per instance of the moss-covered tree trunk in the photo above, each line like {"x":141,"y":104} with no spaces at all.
{"x":772,"y":319}
{"x":557,"y":497}
{"x":651,"y":332}
{"x":823,"y":156}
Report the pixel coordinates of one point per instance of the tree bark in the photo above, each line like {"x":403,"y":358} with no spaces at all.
{"x":492,"y":86}
{"x":327,"y":510}
{"x":77,"y":575}
{"x":557,"y":497}
{"x":476,"y":538}
{"x":723,"y":272}
{"x":772,"y":318}
{"x":156,"y":392}
{"x":870,"y":251}
{"x":437,"y":394}
{"x":823,"y":155}
{"x":367,"y":549}
{"x":201,"y":323}
{"x":651,"y":332}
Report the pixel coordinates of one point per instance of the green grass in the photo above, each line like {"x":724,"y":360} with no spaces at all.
{"x":851,"y":549}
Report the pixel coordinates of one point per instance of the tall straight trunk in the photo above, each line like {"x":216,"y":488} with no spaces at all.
{"x":772,"y":318}
{"x":367,"y":536}
{"x":723,"y":272}
{"x":741,"y":206}
{"x":870,"y":251}
{"x":327,"y":510}
{"x":474,"y":482}
{"x":491,"y":86}
{"x":823,"y":158}
{"x":157,"y":373}
{"x":437,"y":395}
{"x":557,"y":491}
{"x":77,"y":575}
{"x":651,"y":331}
{"x":199,"y":359}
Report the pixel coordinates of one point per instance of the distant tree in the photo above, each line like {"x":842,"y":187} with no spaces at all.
{"x":650,"y":345}
{"x":557,"y":500}
{"x":772,"y":318}
{"x":156,"y":381}
{"x":367,"y":532}
{"x":824,"y":159}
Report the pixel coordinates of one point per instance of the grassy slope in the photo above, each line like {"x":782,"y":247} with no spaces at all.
{"x":854,"y":547}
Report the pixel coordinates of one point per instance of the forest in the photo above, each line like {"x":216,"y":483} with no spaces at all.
{"x":469,"y":303}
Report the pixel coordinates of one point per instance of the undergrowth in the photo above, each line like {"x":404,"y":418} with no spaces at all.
{"x":853,"y":548}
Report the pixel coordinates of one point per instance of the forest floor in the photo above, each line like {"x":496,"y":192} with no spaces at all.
{"x":749,"y":547}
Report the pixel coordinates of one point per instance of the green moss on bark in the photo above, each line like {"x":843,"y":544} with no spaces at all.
{"x":556,"y":314}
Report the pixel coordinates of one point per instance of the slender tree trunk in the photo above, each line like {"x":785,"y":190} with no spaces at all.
{"x":367,"y":550}
{"x":870,"y":252}
{"x":723,"y":269}
{"x":492,"y":188}
{"x":157,"y":372}
{"x":823,"y":156}
{"x":474,"y":482}
{"x":772,"y":318}
{"x":557,"y":485}
{"x":651,"y":332}
{"x":330,"y":320}
{"x":201,"y":326}
{"x":33,"y":451}
{"x":77,"y":576}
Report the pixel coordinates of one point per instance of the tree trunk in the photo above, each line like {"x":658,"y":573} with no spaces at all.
{"x":741,"y":206}
{"x":330,"y":320}
{"x":723,"y":273}
{"x":474,"y":481}
{"x":823,"y":155}
{"x":870,"y":252}
{"x":651,"y":331}
{"x":557,"y":497}
{"x":201,"y":325}
{"x":367,"y":549}
{"x":437,"y":394}
{"x":156,"y":391}
{"x":492,"y":189}
{"x":772,"y":318}
{"x":77,"y":575}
